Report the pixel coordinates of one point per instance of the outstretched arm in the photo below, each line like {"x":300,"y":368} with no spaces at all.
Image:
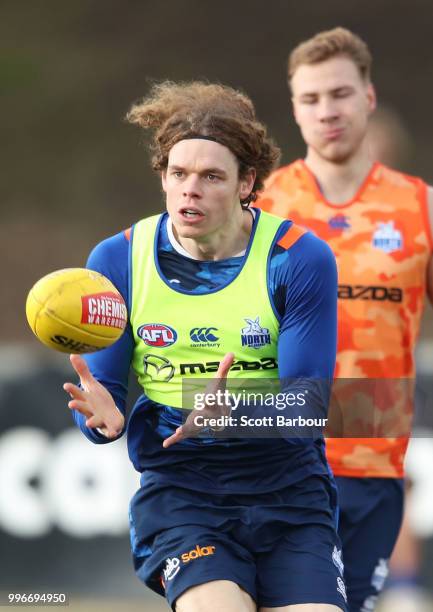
{"x":109,"y":366}
{"x":218,"y":383}
{"x":94,"y":401}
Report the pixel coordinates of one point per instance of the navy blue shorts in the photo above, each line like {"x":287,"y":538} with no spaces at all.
{"x":280,"y":547}
{"x":371,"y":511}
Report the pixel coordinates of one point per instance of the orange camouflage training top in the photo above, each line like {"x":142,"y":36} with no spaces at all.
{"x":382,"y":243}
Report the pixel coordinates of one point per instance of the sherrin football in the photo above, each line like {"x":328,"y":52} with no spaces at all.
{"x":76,"y":311}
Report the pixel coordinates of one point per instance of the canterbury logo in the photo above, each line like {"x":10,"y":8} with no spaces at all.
{"x":158,"y":368}
{"x":198,"y":551}
{"x":203,"y":334}
{"x":372,"y":292}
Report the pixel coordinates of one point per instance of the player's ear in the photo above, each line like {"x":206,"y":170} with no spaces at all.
{"x":247,"y":183}
{"x":293,"y":103}
{"x":164,"y":179}
{"x":371,"y":97}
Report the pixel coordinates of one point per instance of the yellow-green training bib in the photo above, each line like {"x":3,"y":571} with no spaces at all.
{"x":181,"y":337}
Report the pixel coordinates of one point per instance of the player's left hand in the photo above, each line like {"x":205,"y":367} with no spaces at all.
{"x":218,"y":383}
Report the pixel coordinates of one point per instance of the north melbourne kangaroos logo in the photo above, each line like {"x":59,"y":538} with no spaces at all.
{"x":255,"y":336}
{"x":387,"y":238}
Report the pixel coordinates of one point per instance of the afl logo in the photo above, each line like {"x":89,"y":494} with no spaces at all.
{"x":157,"y":334}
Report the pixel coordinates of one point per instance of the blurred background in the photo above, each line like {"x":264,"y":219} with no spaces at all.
{"x":74,"y":172}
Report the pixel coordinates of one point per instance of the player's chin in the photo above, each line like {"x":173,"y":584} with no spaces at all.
{"x":192,"y":231}
{"x":337,"y":153}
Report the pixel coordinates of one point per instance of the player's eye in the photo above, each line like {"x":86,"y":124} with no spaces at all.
{"x":177,"y":173}
{"x":308,"y":100}
{"x":342,"y":93}
{"x":212,"y":177}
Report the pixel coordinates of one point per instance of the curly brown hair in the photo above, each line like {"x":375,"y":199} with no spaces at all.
{"x":328,"y":44}
{"x":176,"y":111}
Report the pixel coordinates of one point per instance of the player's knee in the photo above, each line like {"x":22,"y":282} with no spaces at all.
{"x":215,"y":596}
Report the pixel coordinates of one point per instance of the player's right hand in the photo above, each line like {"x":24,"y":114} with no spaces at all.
{"x":94,"y":401}
{"x":219,"y":382}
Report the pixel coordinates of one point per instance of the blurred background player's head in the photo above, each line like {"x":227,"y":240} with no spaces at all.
{"x":329,"y":44}
{"x":389,"y":140}
{"x":332,"y":95}
{"x":181,"y":111}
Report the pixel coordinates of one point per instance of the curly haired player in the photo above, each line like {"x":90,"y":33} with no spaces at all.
{"x":214,"y":287}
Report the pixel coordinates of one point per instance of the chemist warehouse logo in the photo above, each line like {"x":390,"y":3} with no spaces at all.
{"x":104,"y":309}
{"x":173,"y":565}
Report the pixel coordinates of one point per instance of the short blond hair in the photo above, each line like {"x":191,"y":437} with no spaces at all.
{"x":329,"y":44}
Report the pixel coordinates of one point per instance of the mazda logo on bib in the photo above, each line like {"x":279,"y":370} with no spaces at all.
{"x":158,"y":368}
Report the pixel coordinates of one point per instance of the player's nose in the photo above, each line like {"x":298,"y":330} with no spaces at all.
{"x":191,"y":186}
{"x":327,"y":110}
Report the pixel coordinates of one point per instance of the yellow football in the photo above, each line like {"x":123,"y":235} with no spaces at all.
{"x":76,"y":311}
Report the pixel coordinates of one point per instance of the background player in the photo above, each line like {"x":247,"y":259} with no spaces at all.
{"x":388,"y":138}
{"x":389,"y":142}
{"x":377,"y":222}
{"x":233,"y":525}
